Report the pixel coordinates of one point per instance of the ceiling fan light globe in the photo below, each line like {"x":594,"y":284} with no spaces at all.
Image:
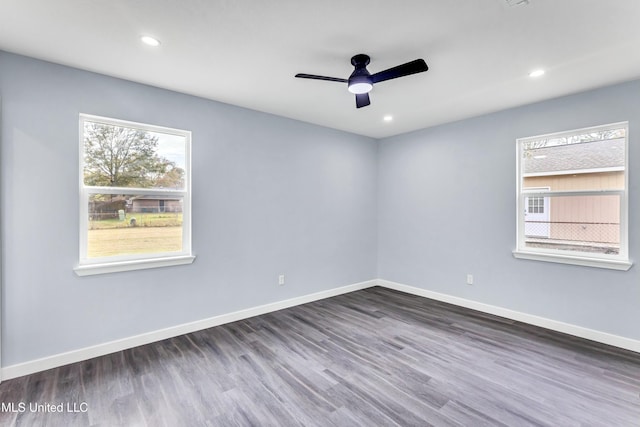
{"x":360,"y":87}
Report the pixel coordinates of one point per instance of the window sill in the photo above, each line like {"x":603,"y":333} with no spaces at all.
{"x":575,"y":260}
{"x":115,"y":267}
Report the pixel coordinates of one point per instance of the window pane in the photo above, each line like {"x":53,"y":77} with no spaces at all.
{"x":576,"y":223}
{"x":579,"y":162}
{"x":131,"y":225}
{"x":119,"y":156}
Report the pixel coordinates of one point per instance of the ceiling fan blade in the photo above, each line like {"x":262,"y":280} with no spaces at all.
{"x":362,"y":100}
{"x":413,"y":67}
{"x":314,"y":77}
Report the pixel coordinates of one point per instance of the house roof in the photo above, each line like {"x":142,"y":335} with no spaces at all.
{"x":585,"y":156}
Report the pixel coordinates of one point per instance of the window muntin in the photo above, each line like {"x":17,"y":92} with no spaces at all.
{"x":135,"y":191}
{"x":572,"y":194}
{"x":536,"y":205}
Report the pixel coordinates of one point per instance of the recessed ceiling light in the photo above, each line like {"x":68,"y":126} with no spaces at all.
{"x":150,"y":41}
{"x":536,"y":73}
{"x":387,"y":118}
{"x":541,"y":156}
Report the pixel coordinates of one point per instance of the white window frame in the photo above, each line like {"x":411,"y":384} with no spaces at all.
{"x":90,"y":266}
{"x":618,"y":261}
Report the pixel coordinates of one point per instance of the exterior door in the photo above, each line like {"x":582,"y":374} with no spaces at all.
{"x":536,"y":215}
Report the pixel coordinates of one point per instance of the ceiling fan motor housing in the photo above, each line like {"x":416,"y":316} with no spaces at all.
{"x":360,"y":80}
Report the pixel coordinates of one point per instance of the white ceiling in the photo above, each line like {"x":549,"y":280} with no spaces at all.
{"x":246,"y":52}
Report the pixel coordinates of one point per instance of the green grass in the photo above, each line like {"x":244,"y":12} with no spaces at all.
{"x":133,"y":240}
{"x":143,"y":219}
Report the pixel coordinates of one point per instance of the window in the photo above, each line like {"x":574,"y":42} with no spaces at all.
{"x":135,"y":199}
{"x":536,"y":205}
{"x":572,"y":197}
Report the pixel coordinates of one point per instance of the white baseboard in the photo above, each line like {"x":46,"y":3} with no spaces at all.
{"x":554,"y":325}
{"x":79,"y":355}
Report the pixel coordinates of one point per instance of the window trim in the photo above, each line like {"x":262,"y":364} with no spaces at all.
{"x":90,"y":266}
{"x":617,"y":262}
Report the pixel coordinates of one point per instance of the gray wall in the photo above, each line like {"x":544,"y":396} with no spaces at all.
{"x":447,"y":208}
{"x":270,"y":196}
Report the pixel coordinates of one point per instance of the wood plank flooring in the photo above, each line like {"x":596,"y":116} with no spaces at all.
{"x":375,"y":357}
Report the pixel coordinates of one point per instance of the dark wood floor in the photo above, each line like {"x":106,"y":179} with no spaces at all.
{"x":370,"y":358}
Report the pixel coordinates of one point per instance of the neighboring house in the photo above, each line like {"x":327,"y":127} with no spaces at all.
{"x":591,"y":166}
{"x":106,"y":209}
{"x":155,"y":204}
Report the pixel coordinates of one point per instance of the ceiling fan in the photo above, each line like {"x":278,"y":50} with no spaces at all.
{"x":360,"y":82}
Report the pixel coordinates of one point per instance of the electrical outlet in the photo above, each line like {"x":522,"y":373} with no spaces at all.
{"x":281,"y":279}
{"x":469,"y":279}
